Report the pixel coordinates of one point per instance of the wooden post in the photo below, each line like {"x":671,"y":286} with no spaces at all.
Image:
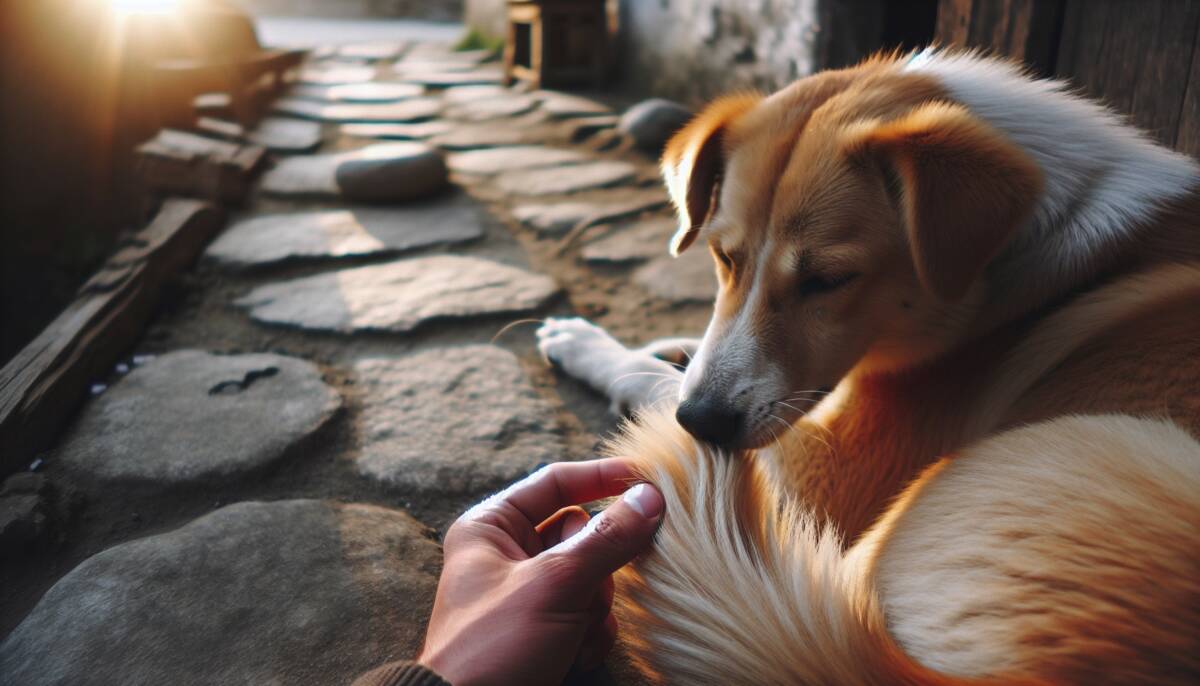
{"x":537,"y":48}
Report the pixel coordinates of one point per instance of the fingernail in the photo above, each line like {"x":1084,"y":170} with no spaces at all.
{"x":645,"y":500}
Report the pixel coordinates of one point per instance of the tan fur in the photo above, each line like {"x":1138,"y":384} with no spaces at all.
{"x":1005,"y":521}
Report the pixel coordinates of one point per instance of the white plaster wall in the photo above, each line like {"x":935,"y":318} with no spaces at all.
{"x":700,"y":48}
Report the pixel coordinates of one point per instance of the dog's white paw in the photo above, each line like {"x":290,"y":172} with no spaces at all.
{"x":580,"y":347}
{"x":587,"y":352}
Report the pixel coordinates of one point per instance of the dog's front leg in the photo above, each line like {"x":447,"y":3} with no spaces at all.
{"x":631,"y":379}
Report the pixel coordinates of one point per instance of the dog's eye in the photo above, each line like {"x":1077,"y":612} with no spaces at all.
{"x":724,"y":259}
{"x":815,"y":285}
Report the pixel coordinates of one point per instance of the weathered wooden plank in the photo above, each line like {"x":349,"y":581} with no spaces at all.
{"x":1188,"y":138}
{"x":1026,"y":30}
{"x":1136,"y":56}
{"x":182,"y":163}
{"x":44,"y":383}
{"x":953,"y":22}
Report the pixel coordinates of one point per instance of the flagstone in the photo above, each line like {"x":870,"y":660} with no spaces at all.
{"x":370,"y":92}
{"x":412,"y":109}
{"x":400,"y":296}
{"x":489,"y":161}
{"x":154,"y":429}
{"x":345,"y":233}
{"x":459,"y":419}
{"x":582,"y":177}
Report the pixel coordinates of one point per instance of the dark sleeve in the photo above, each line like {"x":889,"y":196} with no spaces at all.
{"x":402,"y":673}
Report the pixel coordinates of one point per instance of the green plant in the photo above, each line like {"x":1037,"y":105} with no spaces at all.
{"x":473,"y":39}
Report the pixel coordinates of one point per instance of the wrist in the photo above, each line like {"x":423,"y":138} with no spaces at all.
{"x":439,"y":663}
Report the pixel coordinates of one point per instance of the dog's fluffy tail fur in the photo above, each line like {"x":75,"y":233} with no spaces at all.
{"x":746,"y":587}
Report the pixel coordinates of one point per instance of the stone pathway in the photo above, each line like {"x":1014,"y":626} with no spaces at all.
{"x":255,"y":495}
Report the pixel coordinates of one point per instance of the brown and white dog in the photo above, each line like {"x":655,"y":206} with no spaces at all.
{"x":1000,"y":281}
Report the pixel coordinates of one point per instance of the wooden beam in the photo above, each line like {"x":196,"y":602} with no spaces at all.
{"x":181,"y":163}
{"x":1136,"y":56}
{"x":1025,"y":30}
{"x":42,"y":386}
{"x":1188,"y":138}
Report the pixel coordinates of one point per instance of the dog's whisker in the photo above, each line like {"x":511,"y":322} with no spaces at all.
{"x":811,"y":392}
{"x":789,"y":406}
{"x":815,"y":436}
{"x":504,"y":329}
{"x":658,"y":384}
{"x":775,"y":438}
{"x":622,"y":377}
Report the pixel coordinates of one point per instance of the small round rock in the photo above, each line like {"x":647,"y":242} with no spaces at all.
{"x":651,"y":123}
{"x":392,"y":172}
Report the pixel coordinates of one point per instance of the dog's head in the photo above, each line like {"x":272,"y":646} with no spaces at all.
{"x":851,"y":217}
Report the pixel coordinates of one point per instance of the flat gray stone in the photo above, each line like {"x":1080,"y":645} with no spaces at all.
{"x":285,"y":592}
{"x":474,"y":136}
{"x":413,"y":109}
{"x":351,"y":232}
{"x":274,"y":133}
{"x":453,"y":420}
{"x":369,"y":92}
{"x":582,"y":177}
{"x":416,"y":68}
{"x":405,"y":132}
{"x":464,"y":94}
{"x":445,"y":53}
{"x":192,"y":417}
{"x":448,"y":79}
{"x":488,"y":161}
{"x":582,"y":128}
{"x":337,"y":74}
{"x":635,"y":242}
{"x":651,"y":123}
{"x":689,"y":278}
{"x":279,"y":134}
{"x":560,"y":217}
{"x":400,"y":296}
{"x":375,"y":51}
{"x":487,"y":110}
{"x":384,"y":172}
{"x":562,"y":105}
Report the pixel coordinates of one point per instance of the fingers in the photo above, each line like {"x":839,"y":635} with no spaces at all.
{"x":612,"y":538}
{"x":552,"y":488}
{"x":563,"y":525}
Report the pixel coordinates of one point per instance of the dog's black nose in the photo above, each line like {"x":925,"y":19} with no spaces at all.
{"x":709,"y":420}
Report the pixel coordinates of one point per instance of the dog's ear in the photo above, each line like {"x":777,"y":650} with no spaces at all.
{"x":964,"y":190}
{"x":694,"y":161}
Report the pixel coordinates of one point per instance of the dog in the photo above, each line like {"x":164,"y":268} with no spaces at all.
{"x":942,"y":427}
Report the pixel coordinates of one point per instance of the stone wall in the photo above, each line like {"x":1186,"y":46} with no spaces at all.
{"x":695,"y":49}
{"x":485,"y":16}
{"x":438,"y":10}
{"x":691,"y":50}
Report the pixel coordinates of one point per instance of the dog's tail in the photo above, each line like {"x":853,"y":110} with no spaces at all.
{"x":744,"y":587}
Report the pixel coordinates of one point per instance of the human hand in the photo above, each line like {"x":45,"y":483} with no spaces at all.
{"x":526,"y":587}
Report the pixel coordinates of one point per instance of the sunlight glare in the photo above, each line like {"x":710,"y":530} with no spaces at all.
{"x":126,"y":7}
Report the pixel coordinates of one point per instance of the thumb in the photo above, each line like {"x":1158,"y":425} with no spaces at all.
{"x":615,"y":536}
